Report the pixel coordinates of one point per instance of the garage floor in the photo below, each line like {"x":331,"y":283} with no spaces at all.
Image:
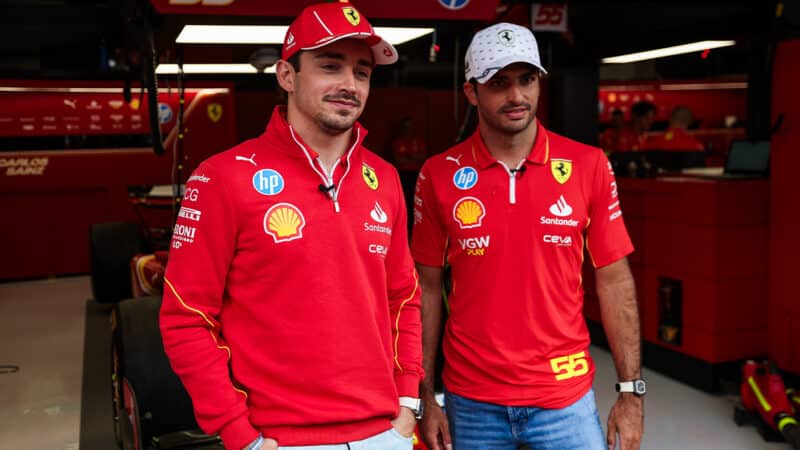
{"x":42,"y":330}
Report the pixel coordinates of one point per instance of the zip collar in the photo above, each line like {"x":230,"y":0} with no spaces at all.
{"x":280,"y":135}
{"x":291,"y":143}
{"x":539,"y":154}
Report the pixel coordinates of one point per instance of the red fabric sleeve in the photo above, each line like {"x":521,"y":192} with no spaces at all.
{"x":429,"y":238}
{"x":607,"y":238}
{"x":203,"y":244}
{"x":404,"y":304}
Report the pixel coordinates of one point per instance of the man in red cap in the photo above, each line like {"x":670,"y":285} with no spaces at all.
{"x":291,"y":303}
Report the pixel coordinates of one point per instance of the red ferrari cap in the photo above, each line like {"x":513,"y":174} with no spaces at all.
{"x":325,"y":23}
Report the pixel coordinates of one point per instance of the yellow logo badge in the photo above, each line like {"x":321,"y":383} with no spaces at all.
{"x":368,"y":173}
{"x":351,"y":15}
{"x":284,"y":222}
{"x":469,"y":212}
{"x":215,"y":112}
{"x":561,"y":169}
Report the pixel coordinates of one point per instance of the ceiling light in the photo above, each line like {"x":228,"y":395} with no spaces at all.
{"x":231,"y":34}
{"x":398,"y":35}
{"x":172,"y":69}
{"x":667,"y":51}
{"x":271,"y":34}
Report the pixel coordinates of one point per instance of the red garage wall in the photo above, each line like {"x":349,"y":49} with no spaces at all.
{"x":784,"y":293}
{"x":49,"y":198}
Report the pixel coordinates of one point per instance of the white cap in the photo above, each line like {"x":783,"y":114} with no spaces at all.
{"x":496,"y":47}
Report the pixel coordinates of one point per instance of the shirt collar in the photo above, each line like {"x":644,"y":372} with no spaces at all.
{"x":539,"y":154}
{"x":289,"y":141}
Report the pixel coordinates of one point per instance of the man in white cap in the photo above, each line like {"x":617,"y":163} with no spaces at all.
{"x":291,"y":307}
{"x":511,"y":210}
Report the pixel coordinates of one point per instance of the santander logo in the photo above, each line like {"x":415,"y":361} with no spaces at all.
{"x":561,"y":208}
{"x":378,"y":215}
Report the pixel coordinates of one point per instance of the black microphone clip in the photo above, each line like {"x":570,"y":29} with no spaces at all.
{"x":325,"y":189}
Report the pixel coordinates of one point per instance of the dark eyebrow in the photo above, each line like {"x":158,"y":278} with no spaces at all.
{"x":330,"y":55}
{"x":340,"y":57}
{"x":530,"y":73}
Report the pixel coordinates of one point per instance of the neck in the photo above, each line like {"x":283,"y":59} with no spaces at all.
{"x":509,"y":148}
{"x":329,"y":144}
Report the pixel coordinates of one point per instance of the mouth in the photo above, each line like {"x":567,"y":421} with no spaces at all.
{"x":515,"y":113}
{"x":343,"y":103}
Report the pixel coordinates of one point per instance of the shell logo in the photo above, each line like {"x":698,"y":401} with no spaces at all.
{"x":284,"y":222}
{"x":469,"y":212}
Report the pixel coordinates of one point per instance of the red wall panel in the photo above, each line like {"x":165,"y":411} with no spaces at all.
{"x":784,"y":304}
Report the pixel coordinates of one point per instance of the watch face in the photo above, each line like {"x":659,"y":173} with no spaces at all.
{"x":639,"y":387}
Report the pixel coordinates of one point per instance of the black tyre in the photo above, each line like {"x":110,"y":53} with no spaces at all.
{"x":111,"y":247}
{"x":741,"y":416}
{"x":161,"y":404}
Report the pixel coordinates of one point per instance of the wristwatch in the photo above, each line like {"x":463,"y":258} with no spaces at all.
{"x":414,"y":404}
{"x":638,"y":387}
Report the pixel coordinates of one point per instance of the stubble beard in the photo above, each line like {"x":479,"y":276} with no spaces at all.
{"x":334,"y":123}
{"x":493,"y":119}
{"x":338,"y":121}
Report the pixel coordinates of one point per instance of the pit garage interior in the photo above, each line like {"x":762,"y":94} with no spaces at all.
{"x":715,"y":263}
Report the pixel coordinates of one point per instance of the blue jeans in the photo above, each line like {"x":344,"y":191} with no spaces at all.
{"x":388,"y":440}
{"x":486,"y":426}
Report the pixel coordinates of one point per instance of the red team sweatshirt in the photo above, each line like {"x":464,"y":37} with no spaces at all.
{"x":290,"y":308}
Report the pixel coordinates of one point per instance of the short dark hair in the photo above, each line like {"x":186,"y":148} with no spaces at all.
{"x":294,"y":61}
{"x":642,"y":108}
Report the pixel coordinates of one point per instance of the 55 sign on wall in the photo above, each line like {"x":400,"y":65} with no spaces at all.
{"x":549,"y":17}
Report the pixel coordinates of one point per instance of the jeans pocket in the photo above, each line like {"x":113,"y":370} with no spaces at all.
{"x":397,"y":434}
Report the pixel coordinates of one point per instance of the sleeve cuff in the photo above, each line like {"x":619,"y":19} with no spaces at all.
{"x":238,"y":434}
{"x":407,"y":384}
{"x":611,"y":257}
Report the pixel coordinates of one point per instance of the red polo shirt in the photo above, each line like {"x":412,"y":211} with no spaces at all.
{"x":515,"y":238}
{"x":674,"y":139}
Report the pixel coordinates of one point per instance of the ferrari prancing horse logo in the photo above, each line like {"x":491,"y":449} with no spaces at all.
{"x":368,"y":174}
{"x":352,"y":16}
{"x":561,"y":169}
{"x":214,"y":112}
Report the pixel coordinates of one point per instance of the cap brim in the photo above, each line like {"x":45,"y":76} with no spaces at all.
{"x":505,"y":63}
{"x":383,"y":52}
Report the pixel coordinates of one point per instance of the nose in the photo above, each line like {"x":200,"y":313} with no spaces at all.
{"x":347,"y":82}
{"x":514,"y":94}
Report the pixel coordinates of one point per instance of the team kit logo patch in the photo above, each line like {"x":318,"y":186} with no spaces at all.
{"x":352,"y":16}
{"x":284,"y":222}
{"x":469,"y":212}
{"x":268,"y":182}
{"x":368,"y":174}
{"x":465,"y":178}
{"x":506,"y":37}
{"x":561,"y":169}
